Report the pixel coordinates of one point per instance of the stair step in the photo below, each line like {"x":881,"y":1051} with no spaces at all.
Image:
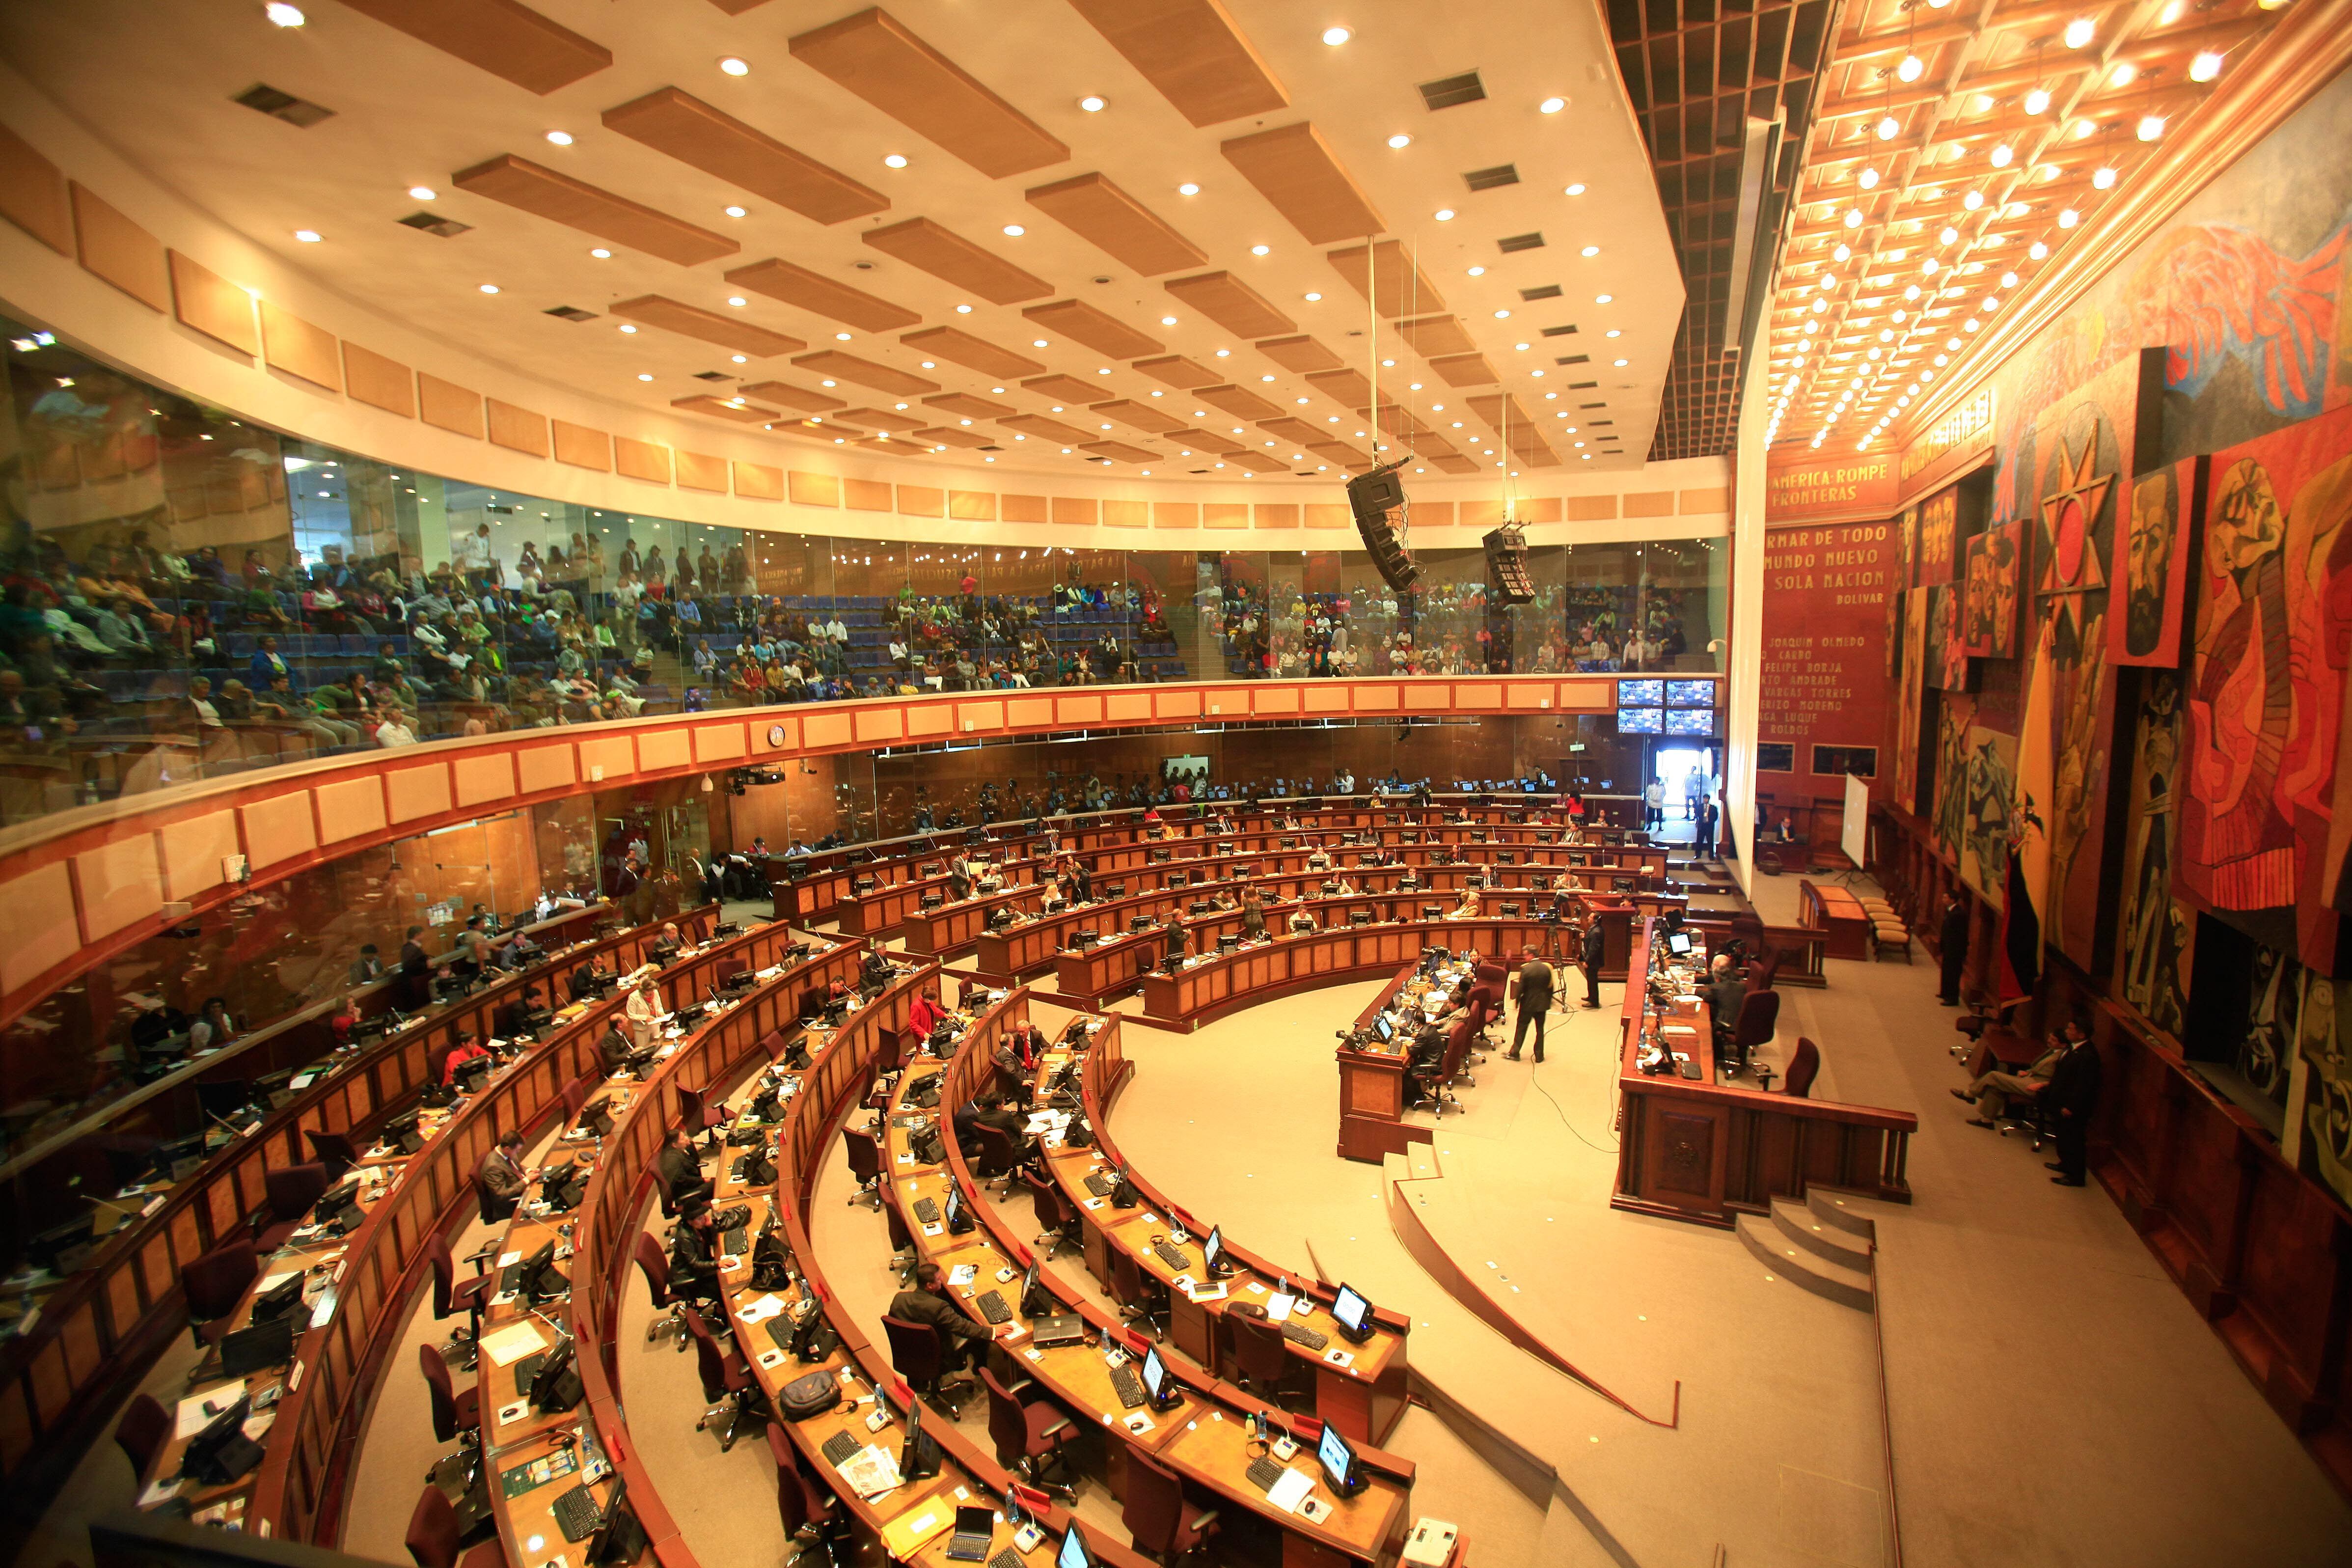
{"x":1832,"y":1207}
{"x":1807,"y":1271}
{"x":1799,"y":1224}
{"x":1421,"y":1159}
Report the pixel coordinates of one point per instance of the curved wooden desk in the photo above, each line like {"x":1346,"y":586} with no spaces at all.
{"x":1212,"y":988}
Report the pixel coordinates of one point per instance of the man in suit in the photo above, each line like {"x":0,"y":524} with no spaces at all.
{"x":681,"y":1169}
{"x":1990,"y":1093}
{"x":416,"y":972}
{"x":1589,"y":958}
{"x":2072,"y":1094}
{"x":1952,"y":948}
{"x":581,"y":983}
{"x":502,"y":1179}
{"x":961,"y":1341}
{"x":694,"y":1251}
{"x":513,"y":1020}
{"x":367,"y":966}
{"x":1533,"y":987}
{"x":614,"y":1049}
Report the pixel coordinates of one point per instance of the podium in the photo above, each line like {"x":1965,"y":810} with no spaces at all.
{"x":1371,"y":1106}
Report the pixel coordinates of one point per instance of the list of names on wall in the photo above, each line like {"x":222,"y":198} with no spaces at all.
{"x":1824,"y":675}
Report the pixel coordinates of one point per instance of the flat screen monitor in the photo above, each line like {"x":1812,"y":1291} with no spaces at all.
{"x":955,"y":1203}
{"x":1690,"y":693}
{"x":1690,"y":722}
{"x":1073,"y":1552}
{"x":1641,"y":721}
{"x":1385,"y":1029}
{"x":614,"y":1539}
{"x":1678,"y":942}
{"x":1029,"y":1285}
{"x":1155,"y":1375}
{"x":1641,"y":693}
{"x":1213,"y":1251}
{"x":1350,"y":1310}
{"x":1338,"y":1460}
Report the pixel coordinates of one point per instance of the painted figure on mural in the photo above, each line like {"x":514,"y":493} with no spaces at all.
{"x":1987,"y":826}
{"x":2156,"y":517}
{"x":1952,"y":772}
{"x":2326,"y":1151}
{"x":2002,"y":569}
{"x":1977,"y":611}
{"x":2154,"y":967}
{"x":2274,"y":1000}
{"x":2082,"y":766}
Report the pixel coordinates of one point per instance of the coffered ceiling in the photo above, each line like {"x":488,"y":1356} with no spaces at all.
{"x":1171,"y":237}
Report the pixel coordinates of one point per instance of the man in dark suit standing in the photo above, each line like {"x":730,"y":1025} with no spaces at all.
{"x":416,"y":972}
{"x":2072,"y":1095}
{"x":1589,"y":958}
{"x":1952,"y":947}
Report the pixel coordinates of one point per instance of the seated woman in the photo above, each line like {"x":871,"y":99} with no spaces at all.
{"x":1467,"y":910}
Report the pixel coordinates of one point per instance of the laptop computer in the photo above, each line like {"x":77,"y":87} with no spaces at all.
{"x":974,"y":1528}
{"x":1057,"y":1329}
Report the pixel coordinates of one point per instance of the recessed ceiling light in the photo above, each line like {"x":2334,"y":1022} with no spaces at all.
{"x":1334,"y":37}
{"x":283,"y":15}
{"x":1602,"y":299}
{"x":1314,"y":299}
{"x":737,"y":300}
{"x":1104,"y":371}
{"x":1577,"y":189}
{"x":1260,"y":250}
{"x":1621,"y":364}
{"x":561,"y":137}
{"x":601,"y":254}
{"x":1591,"y":250}
{"x":830,"y":383}
{"x":841,"y":337}
{"x":643,"y":376}
{"x":1014,"y":231}
{"x":1444,"y":214}
{"x":1502,"y":315}
{"x":734,"y":67}
{"x":490,"y":288}
{"x":422,"y":193}
{"x":894,"y":160}
{"x":1615,"y":332}
{"x":741,"y":359}
{"x":626,"y":328}
{"x":1477,"y":272}
{"x":2079,"y":32}
{"x":1400,"y":140}
{"x":307,"y":235}
{"x":733,"y":212}
{"x":963,"y":310}
{"x":1093,"y":103}
{"x":1167,"y":321}
{"x":1551,"y":105}
{"x":2205,"y":67}
{"x":1225,"y":354}
{"x":1266,"y":378}
{"x":1037,"y":342}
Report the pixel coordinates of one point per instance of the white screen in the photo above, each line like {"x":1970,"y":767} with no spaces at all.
{"x":1854,"y":833}
{"x":1153,"y":1373}
{"x":1333,"y":1453}
{"x":1348,"y":1308}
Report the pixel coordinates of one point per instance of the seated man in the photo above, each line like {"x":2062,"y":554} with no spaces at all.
{"x":615,"y":1049}
{"x":680,"y":1169}
{"x":1724,"y":994}
{"x":988,"y":1110}
{"x":512,"y":1021}
{"x":1301,"y":922}
{"x":1991,"y":1092}
{"x":961,"y":1341}
{"x":694,"y":1251}
{"x":502,"y":1178}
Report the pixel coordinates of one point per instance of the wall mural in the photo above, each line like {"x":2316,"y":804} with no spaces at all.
{"x":1938,"y":527}
{"x":1947,"y":652}
{"x":2151,"y":567}
{"x":2322,"y":1093}
{"x":1954,"y":716}
{"x":1987,"y":816}
{"x":2259,"y":842}
{"x":2153,"y":949}
{"x":1988,"y":618}
{"x":1906,"y":707}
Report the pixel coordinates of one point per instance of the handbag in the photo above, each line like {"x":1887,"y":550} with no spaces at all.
{"x":812,"y":1394}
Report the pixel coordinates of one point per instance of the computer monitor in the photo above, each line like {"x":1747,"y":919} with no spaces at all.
{"x":616,"y":1539}
{"x":1035,"y":1302}
{"x":1163,"y":1390}
{"x":1383,"y":1028}
{"x":918,"y":1459}
{"x":954,"y":1210}
{"x":1213,"y":1253}
{"x":546,"y":1381}
{"x":1352,"y":1313}
{"x":1339,"y":1462}
{"x":1073,"y":1552}
{"x":532,"y":1280}
{"x":1678,"y":942}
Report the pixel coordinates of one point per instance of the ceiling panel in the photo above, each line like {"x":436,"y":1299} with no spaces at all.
{"x":1191,"y":51}
{"x":806,"y":399}
{"x":1231,"y":304}
{"x":740,"y":412}
{"x":864,"y":373}
{"x":1117,"y":224}
{"x":1175,"y":370}
{"x":1456,"y":463}
{"x":1205,"y":440}
{"x":506,"y":39}
{"x":1061,"y":388}
{"x":1464,"y":370}
{"x":1432,"y":336}
{"x":965,"y":403}
{"x":947,"y":256}
{"x":952,"y":436}
{"x":1257,"y":462}
{"x":1102,"y":332}
{"x":1049,"y":429}
{"x":875,"y":56}
{"x":695,"y":133}
{"x":1120,"y":451}
{"x":1387,"y":274}
{"x":1349,"y":386}
{"x":1341,"y":453}
{"x":712,"y":327}
{"x":821,"y":296}
{"x":534,"y":188}
{"x":1299,"y":354}
{"x":978,"y":353}
{"x":1145,"y":417}
{"x":1238,"y":401}
{"x":881,"y":419}
{"x":1297,"y":171}
{"x":1289,"y":428}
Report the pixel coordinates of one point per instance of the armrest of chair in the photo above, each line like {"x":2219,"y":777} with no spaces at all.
{"x":1205,"y":1520}
{"x":1064,"y":1425}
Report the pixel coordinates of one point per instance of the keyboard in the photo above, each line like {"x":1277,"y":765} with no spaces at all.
{"x":1128,"y":1387}
{"x":991,"y":1307}
{"x":1008,"y":1558}
{"x":740,"y":1168}
{"x":840,"y":1448}
{"x":780,"y":1328}
{"x":1264,"y":1472}
{"x":1102,"y":1183}
{"x":577,"y":1515}
{"x":733,"y":1243}
{"x":1300,"y":1335}
{"x":1172,"y":1256}
{"x":510,"y":1280}
{"x":927,"y":1210}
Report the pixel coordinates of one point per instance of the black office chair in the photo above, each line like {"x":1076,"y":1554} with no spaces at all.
{"x":1057,"y":1217}
{"x":865,"y":1164}
{"x":1140,"y":1299}
{"x":999,"y":1157}
{"x":726,"y":1383}
{"x":700,"y":1118}
{"x":917,"y":1357}
{"x":903,"y":1257}
{"x":654,"y":1266}
{"x":1262,"y":1361}
{"x":451,"y":1297}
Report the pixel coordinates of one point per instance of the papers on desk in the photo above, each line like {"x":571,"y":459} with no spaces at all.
{"x":1277,"y":1307}
{"x":871,"y":1471}
{"x":513,"y":1342}
{"x":760,"y":1311}
{"x":963,"y":1274}
{"x":160,"y":1491}
{"x":509,"y":1259}
{"x":271,"y":1281}
{"x":1288,"y":1493}
{"x":201,"y":1406}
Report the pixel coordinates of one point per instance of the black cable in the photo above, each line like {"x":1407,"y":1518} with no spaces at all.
{"x":1562,"y":1114}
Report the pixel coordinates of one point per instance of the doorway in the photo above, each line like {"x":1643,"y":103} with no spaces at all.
{"x":1673,"y":767}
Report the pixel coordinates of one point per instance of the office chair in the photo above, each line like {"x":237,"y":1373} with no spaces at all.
{"x":435,"y":1537}
{"x":334,"y":1151}
{"x":1000,"y":1156}
{"x":214,"y":1285}
{"x":727,"y":967}
{"x":1262,"y":1360}
{"x":1803,"y":1068}
{"x":1760,"y":1015}
{"x":902,"y":1244}
{"x":700,"y":1118}
{"x":726,"y":1383}
{"x":1056,"y":1220}
{"x":1139,"y":1297}
{"x":142,"y":1433}
{"x":450,"y":1297}
{"x":1163,"y":1524}
{"x":456,"y":1417}
{"x":289,"y":1191}
{"x":1438,"y":1085}
{"x":575,"y":1100}
{"x":1761,"y":973}
{"x":494,"y":1209}
{"x":915,"y":1356}
{"x":654,"y":1266}
{"x":865,"y":1164}
{"x":1031,"y":1438}
{"x":808,"y":1511}
{"x":775,"y":1045}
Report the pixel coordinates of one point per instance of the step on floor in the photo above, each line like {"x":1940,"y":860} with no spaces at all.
{"x":1848,"y":1287}
{"x":1800,"y":1225}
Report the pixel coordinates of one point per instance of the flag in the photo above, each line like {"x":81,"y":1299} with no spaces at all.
{"x":2025,"y":887}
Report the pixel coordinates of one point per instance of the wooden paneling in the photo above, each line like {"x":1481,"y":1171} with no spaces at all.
{"x":1650,"y":504}
{"x":1146,"y":417}
{"x":119,"y":251}
{"x":1117,"y":224}
{"x":1023,"y":508}
{"x":700,"y":472}
{"x":1290,"y":429}
{"x":965,"y":349}
{"x":1591,"y":509}
{"x":204,"y":300}
{"x":1343,"y":454}
{"x":584,"y":449}
{"x":632,"y":458}
{"x":695,"y":133}
{"x":1705,"y":502}
{"x":1432,"y":513}
{"x":969,"y":406}
{"x":1325,"y":514}
{"x":732,"y":409}
{"x":1432,"y":336}
{"x":1231,"y":304}
{"x":1540,"y":509}
{"x":504,"y":37}
{"x":1300,"y":353}
{"x":301,"y":349}
{"x":1037,"y":425}
{"x":378,"y":382}
{"x":1483,"y":513}
{"x":1102,"y":333}
{"x":814,"y":489}
{"x":921,"y":501}
{"x":1385,"y":274}
{"x":1178,"y":372}
{"x":1201,"y":440}
{"x":519,"y":428}
{"x":865,"y":495}
{"x":822,"y":296}
{"x":1274,"y":514}
{"x":1464,"y":370}
{"x":791,"y":397}
{"x":1192,"y":52}
{"x":1454,"y":463}
{"x":920,"y":243}
{"x":1076,"y":509}
{"x":576,"y":203}
{"x":35,"y":935}
{"x":758,"y":481}
{"x":118,"y":884}
{"x":873,"y":57}
{"x":1061,"y":388}
{"x":729,"y":330}
{"x":449,"y":406}
{"x":192,"y":849}
{"x":33,"y":194}
{"x":1296,"y":170}
{"x":1176,"y":514}
{"x":1224,"y":514}
{"x":864,"y":371}
{"x":1238,"y":401}
{"x":1119,"y":452}
{"x":972,"y":505}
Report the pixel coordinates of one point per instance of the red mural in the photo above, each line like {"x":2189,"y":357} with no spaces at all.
{"x":1826,"y":641}
{"x":2260,"y":840}
{"x":2151,"y":569}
